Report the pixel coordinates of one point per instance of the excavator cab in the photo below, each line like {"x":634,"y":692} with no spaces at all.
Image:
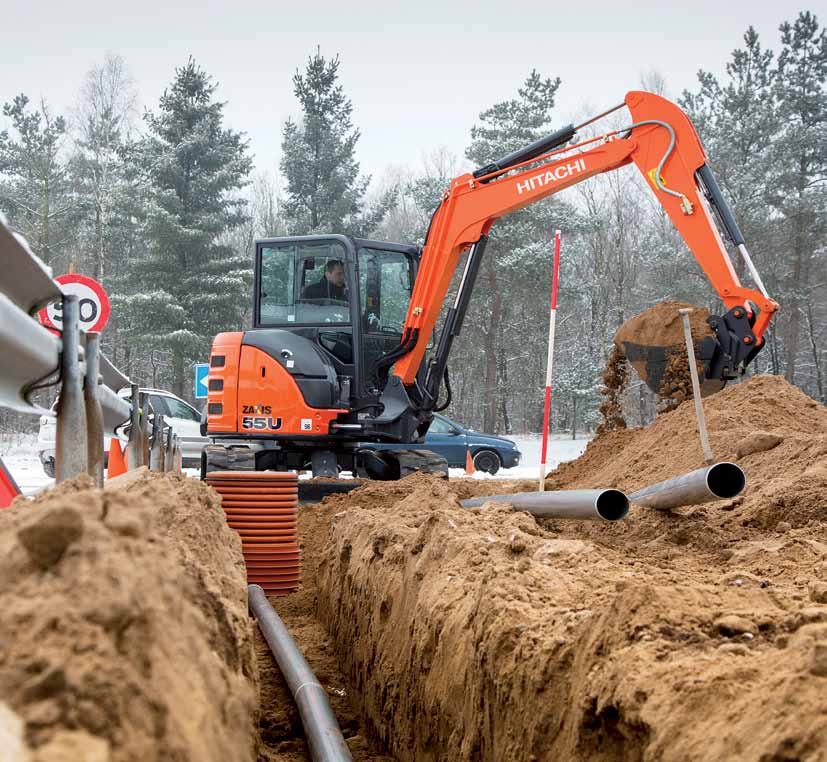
{"x":294,"y":389}
{"x":348,"y":297}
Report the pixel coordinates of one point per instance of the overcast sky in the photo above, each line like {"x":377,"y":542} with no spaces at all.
{"x":418,"y":72}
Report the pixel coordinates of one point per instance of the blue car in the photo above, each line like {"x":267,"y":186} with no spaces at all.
{"x":452,"y":441}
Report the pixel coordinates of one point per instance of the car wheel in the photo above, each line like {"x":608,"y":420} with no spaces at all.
{"x":49,"y":468}
{"x":488,"y":461}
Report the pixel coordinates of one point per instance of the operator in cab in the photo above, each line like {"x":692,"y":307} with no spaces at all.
{"x":331,"y":286}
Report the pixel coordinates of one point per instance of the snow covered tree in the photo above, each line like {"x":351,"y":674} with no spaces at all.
{"x":799,"y":188}
{"x":104,"y":112}
{"x":35,"y":185}
{"x":518,"y":257}
{"x":325,"y":192}
{"x":188,"y":286}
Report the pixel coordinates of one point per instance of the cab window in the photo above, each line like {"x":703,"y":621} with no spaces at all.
{"x":385,"y":282}
{"x":303,"y":283}
{"x":159,"y":405}
{"x":439,"y":426}
{"x":385,"y":290}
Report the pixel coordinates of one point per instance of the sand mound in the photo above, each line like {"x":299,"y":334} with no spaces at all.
{"x":479,"y":635}
{"x":654,"y":344}
{"x":124,"y":630}
{"x":786,"y":483}
{"x":662,"y":326}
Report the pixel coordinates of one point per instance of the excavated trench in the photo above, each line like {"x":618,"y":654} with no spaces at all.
{"x":699,"y":633}
{"x":443,"y":633}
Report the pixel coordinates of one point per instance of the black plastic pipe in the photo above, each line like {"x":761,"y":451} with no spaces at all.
{"x":325,"y":739}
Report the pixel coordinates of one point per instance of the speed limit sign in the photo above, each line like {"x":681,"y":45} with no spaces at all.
{"x":93,"y":304}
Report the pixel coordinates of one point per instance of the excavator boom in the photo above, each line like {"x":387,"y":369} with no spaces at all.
{"x":662,"y":142}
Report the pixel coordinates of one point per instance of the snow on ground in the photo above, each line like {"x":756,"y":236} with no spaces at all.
{"x":24,"y":464}
{"x":561,"y":448}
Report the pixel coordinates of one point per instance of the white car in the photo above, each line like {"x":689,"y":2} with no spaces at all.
{"x":183,"y":417}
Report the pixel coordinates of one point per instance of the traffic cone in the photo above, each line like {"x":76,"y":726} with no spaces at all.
{"x":8,"y":487}
{"x":469,"y":463}
{"x":117,"y":463}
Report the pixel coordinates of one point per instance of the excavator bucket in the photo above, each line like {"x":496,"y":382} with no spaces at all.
{"x":654,"y":344}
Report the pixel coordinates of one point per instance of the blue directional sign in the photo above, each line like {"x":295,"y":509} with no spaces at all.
{"x":202,"y":371}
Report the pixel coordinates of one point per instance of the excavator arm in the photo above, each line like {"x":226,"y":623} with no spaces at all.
{"x":662,"y":142}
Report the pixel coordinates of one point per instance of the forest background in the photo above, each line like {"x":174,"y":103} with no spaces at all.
{"x":163,"y":207}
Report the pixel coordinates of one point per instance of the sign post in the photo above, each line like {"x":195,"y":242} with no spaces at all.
{"x":550,"y":358}
{"x":202,"y":372}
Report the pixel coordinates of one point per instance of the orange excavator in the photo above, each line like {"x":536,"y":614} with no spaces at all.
{"x":337,"y":355}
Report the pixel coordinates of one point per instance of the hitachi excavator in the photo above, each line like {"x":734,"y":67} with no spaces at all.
{"x":337,"y":354}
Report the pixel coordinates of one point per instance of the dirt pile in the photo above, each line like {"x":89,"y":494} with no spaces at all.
{"x":695,"y":634}
{"x":124,"y":629}
{"x":654,"y":344}
{"x":772,"y":430}
{"x":662,"y":326}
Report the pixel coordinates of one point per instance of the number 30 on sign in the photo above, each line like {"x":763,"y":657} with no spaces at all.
{"x":93,"y":304}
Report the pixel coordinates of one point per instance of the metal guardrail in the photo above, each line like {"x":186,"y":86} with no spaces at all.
{"x":88,"y":406}
{"x":36,"y":354}
{"x":26,"y":280}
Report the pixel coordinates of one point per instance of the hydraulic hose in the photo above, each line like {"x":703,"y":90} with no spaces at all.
{"x":685,"y":202}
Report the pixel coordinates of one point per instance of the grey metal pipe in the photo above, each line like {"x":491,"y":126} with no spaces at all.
{"x":325,"y":739}
{"x":94,"y":411}
{"x":716,"y":482}
{"x":146,"y":430}
{"x":588,"y":504}
{"x":156,"y":453}
{"x":169,"y":454}
{"x":134,"y":445}
{"x":70,"y":437}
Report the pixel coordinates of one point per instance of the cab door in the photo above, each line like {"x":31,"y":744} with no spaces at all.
{"x":385,"y":282}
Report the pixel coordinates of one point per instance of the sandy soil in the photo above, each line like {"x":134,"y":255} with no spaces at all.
{"x":654,"y":344}
{"x":124,"y":626}
{"x":697,"y":634}
{"x":441,"y":633}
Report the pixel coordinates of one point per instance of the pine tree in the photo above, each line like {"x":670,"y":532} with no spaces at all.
{"x":36,"y":193}
{"x":325,"y":192}
{"x":739,"y":123}
{"x":799,"y":189}
{"x":517,"y":258}
{"x":188,"y":286}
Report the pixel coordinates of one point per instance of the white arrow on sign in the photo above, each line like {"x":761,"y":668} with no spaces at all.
{"x":203,"y":381}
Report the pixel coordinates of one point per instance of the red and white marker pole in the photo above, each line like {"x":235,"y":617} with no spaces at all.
{"x":550,"y":359}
